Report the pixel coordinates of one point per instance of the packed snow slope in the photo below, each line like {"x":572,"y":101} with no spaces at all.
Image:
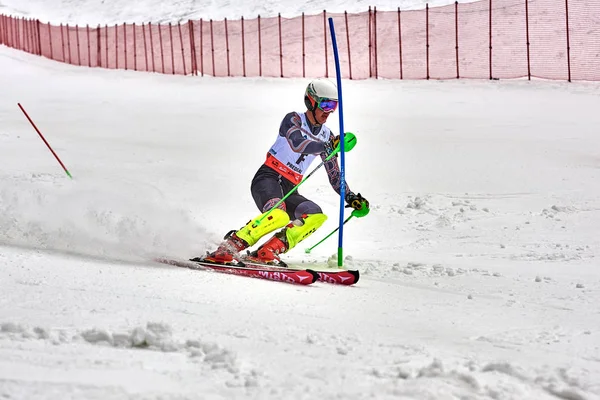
{"x":479,"y":259}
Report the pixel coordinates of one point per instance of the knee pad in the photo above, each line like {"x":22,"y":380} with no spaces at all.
{"x":307,"y":207}
{"x":251,"y":233}
{"x":300,"y":229}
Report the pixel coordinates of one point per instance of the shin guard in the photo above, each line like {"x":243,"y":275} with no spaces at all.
{"x":297,"y":233}
{"x":252,"y":233}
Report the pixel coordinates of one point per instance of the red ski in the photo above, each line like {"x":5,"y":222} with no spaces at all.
{"x":297,"y":276}
{"x":339,"y":277}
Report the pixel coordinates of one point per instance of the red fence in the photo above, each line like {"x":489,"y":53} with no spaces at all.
{"x":489,"y":39}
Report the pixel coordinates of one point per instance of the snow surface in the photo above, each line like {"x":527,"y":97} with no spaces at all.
{"x":479,"y":259}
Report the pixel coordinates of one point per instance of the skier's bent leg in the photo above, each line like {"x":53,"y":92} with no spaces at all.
{"x":252,"y":232}
{"x":287,"y":238}
{"x":236,"y":241}
{"x":301,"y":228}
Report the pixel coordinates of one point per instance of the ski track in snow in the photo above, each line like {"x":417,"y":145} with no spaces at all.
{"x":407,"y":375}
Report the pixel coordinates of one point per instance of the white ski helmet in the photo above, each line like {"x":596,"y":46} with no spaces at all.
{"x":318,"y":90}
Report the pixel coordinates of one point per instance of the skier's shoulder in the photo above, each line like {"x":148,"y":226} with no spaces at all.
{"x":293,"y":118}
{"x":292,"y":115}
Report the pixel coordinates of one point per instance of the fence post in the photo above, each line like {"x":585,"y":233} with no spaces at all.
{"x":125,"y":43}
{"x":280,"y":48}
{"x":62,"y":39}
{"x":172,"y":49}
{"x":18,"y":32}
{"x":212,"y":47}
{"x":227,"y":47}
{"x":348,"y":44}
{"x":400,"y":41}
{"x":568,"y":39}
{"x":134,"y":48}
{"x":32,"y":36}
{"x":303,"y":50}
{"x":78,"y":45}
{"x":243,"y":50}
{"x":162,"y":51}
{"x":490,"y":23}
{"x":370,"y":45}
{"x":259,"y":49}
{"x":375,"y":31}
{"x":106,"y":44}
{"x":69,"y":43}
{"x":182,"y":51}
{"x":50,"y":40}
{"x":151,"y":46}
{"x":527,"y":33}
{"x":325,"y":42}
{"x":15,"y":33}
{"x":145,"y":46}
{"x":201,"y":49}
{"x":26,"y":35}
{"x":193,"y":48}
{"x":1,"y":29}
{"x":116,"y":46}
{"x":427,"y":37}
{"x":456,"y":35}
{"x":39,"y":37}
{"x":87,"y":31}
{"x":99,"y":46}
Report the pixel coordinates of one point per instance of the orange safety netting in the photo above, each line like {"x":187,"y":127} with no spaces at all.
{"x":489,"y":39}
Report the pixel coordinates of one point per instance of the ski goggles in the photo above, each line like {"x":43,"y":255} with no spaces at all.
{"x":327,"y":105}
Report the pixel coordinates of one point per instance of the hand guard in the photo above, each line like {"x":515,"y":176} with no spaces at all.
{"x":332,"y":144}
{"x":357,"y":202}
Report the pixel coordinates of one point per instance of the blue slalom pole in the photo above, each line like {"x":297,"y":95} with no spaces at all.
{"x":342,"y":151}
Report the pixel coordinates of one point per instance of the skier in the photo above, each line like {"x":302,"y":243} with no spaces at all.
{"x":302,"y":136}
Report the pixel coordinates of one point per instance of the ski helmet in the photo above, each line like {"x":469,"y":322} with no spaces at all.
{"x":321,"y":93}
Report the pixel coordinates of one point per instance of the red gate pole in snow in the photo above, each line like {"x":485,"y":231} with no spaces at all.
{"x":44,"y":140}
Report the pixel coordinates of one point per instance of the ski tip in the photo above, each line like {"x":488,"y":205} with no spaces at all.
{"x":314,"y":274}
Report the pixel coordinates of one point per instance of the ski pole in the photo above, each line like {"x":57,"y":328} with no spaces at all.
{"x":349,"y":143}
{"x":355,"y":213}
{"x":308,"y":250}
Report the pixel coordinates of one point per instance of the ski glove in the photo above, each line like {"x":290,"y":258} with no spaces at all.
{"x":332,"y":144}
{"x":356,"y":201}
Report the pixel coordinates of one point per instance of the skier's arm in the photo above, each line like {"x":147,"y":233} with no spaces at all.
{"x":300,"y":142}
{"x":334,"y":174}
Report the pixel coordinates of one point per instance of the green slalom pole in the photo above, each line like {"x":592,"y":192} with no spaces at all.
{"x":349,"y":143}
{"x":356,"y":213}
